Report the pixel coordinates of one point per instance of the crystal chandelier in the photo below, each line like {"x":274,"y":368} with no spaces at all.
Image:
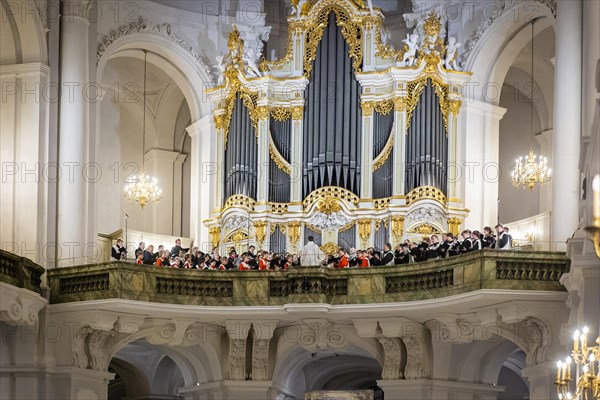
{"x":143,"y":189}
{"x":531,"y":171}
{"x":587,"y":370}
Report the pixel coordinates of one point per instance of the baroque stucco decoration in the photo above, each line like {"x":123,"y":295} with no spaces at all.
{"x":530,"y":334}
{"x":499,"y":10}
{"x":90,"y":347}
{"x":143,"y":25}
{"x":392,"y":351}
{"x":321,"y":335}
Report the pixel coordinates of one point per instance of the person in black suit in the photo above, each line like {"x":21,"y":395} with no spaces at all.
{"x":476,"y":240}
{"x":118,"y":251}
{"x":488,"y":240}
{"x":177,"y":248}
{"x":388,"y":256}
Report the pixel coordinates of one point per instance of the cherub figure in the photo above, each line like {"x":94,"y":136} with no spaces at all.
{"x":451,"y":54}
{"x":411,"y":53}
{"x":222,"y":67}
{"x":250,"y":59}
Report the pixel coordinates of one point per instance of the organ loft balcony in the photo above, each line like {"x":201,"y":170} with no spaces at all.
{"x":481,"y":273}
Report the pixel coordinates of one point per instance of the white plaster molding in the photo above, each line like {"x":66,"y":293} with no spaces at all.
{"x":143,"y":25}
{"x":20,"y":306}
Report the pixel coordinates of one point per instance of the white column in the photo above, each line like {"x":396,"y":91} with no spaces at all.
{"x":296,"y":161}
{"x":567,"y":120}
{"x":477,"y":173}
{"x":262,"y":181}
{"x":545,"y":141}
{"x":77,"y":384}
{"x":399,"y":151}
{"x":541,"y":381}
{"x":366,"y":160}
{"x":73,"y":132}
{"x":204,"y":178}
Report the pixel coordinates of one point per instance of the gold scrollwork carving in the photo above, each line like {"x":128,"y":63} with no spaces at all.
{"x":328,"y":205}
{"x":280,"y":114}
{"x":454,"y":226}
{"x":400,"y":104}
{"x":454,"y":107}
{"x":260,"y":231}
{"x":293,"y":229}
{"x":425,"y":192}
{"x":398,"y":225}
{"x":433,"y":48}
{"x":330,"y":249}
{"x":215,"y":235}
{"x":383,"y":107}
{"x":262,"y":113}
{"x":297,"y":113}
{"x":278,"y":208}
{"x":385,"y":153}
{"x":381,"y":204}
{"x":240,"y":200}
{"x":364,"y":230}
{"x":350,"y":28}
{"x":276,"y":156}
{"x":332,"y":191}
{"x":425,"y":229}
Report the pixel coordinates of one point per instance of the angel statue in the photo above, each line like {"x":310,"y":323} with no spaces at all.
{"x":250,"y":59}
{"x":451,"y":54}
{"x":221,"y":66}
{"x":412,"y":47}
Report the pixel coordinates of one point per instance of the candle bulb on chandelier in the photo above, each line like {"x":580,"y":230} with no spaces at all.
{"x":569,"y":368}
{"x":558,"y":368}
{"x":576,"y":342}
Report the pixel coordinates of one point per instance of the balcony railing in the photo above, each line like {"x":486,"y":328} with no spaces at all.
{"x":20,"y":272}
{"x":487,"y":269}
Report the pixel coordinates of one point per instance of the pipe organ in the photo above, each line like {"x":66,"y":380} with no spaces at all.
{"x":345,"y":138}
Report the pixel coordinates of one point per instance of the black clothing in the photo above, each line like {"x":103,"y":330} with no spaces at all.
{"x":149,"y":258}
{"x":388,"y":258}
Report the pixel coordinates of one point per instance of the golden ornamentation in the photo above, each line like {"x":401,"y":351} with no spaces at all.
{"x":237,"y":237}
{"x":330,"y":191}
{"x":425,"y":229}
{"x":398,"y":225}
{"x":281,"y":114}
{"x":276,"y":156}
{"x":587,"y":377}
{"x":381,"y":204}
{"x":454,"y":107}
{"x":297,"y":113}
{"x":350,"y":28}
{"x":234,"y":68}
{"x":262,"y":113}
{"x":367,"y":108}
{"x":240,"y":200}
{"x":278,"y":208}
{"x":385,"y":153}
{"x":364,"y":230}
{"x":593,"y":230}
{"x":347,"y":227}
{"x":330,"y":249}
{"x":382,"y":50}
{"x":293,"y":229}
{"x":454,"y":226}
{"x":425,"y":192}
{"x":416,"y":87}
{"x":215,"y":235}
{"x":383,"y":107}
{"x":432,"y":50}
{"x":260,"y":231}
{"x":328,"y":205}
{"x":400,"y":104}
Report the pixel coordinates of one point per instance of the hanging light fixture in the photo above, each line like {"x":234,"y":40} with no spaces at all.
{"x":143,"y":189}
{"x":531,"y":171}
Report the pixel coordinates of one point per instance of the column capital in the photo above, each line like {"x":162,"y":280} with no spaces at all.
{"x":84,"y":9}
{"x":484,"y":108}
{"x":204,"y":124}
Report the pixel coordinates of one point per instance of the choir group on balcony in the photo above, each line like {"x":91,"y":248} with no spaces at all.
{"x":430,"y":248}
